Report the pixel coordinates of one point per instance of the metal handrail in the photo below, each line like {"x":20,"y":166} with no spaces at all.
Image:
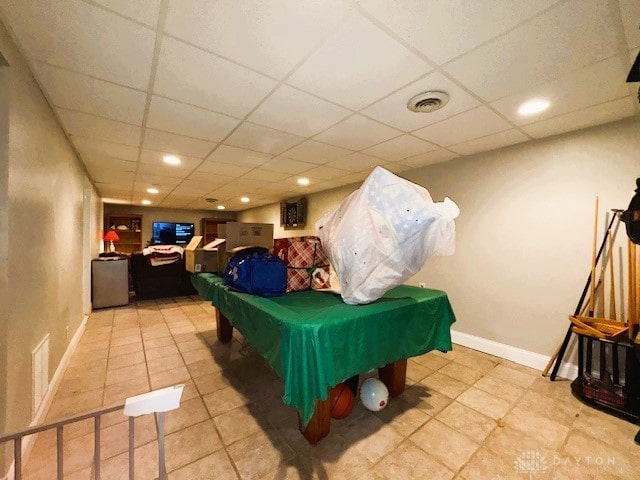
{"x":59,"y":426}
{"x":157,"y":402}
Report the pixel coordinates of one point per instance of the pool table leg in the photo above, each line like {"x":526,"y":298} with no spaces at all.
{"x":320,"y":423}
{"x":225,"y":330}
{"x":394,"y":376}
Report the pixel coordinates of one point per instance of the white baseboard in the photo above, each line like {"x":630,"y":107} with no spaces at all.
{"x":514,"y":354}
{"x":45,"y":404}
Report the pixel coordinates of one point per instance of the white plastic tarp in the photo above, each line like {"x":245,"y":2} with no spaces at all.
{"x":383,"y":233}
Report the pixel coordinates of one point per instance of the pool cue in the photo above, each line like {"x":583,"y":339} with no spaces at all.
{"x":594,"y":260}
{"x":567,"y":336}
{"x":612,"y":288}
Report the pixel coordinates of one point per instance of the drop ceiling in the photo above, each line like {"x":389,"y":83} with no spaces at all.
{"x":252,"y":94}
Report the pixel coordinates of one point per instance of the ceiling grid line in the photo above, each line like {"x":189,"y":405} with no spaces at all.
{"x":162,"y":17}
{"x":443,"y":72}
{"x":252,"y":95}
{"x":264,"y":99}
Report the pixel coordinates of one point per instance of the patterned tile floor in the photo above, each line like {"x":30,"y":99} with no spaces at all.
{"x":465,"y":415}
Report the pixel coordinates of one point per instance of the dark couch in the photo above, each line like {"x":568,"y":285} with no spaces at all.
{"x":162,"y":281}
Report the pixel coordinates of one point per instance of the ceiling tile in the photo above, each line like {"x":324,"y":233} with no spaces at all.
{"x":316,"y":152}
{"x":238,"y":156}
{"x":146,"y":169}
{"x":358,"y":65}
{"x":193,"y":188}
{"x":588,"y":86}
{"x":90,"y":95}
{"x":267,"y":175}
{"x":400,"y":147}
{"x":442,"y":30}
{"x":115,"y":176}
{"x":172,"y":143}
{"x":565,"y":38}
{"x":140,"y":186}
{"x":97,"y":162}
{"x":219,"y":168}
{"x":163,"y":181}
{"x":606,"y":112}
{"x":356,"y":162}
{"x":144,"y":11}
{"x":490,"y":142}
{"x":271,"y":37}
{"x":325,"y":173}
{"x":429,"y":158}
{"x":213,"y":177}
{"x":465,"y":126}
{"x":154,"y":157}
{"x":262,"y":139}
{"x":297,"y":112}
{"x":85,"y":125}
{"x":357,"y":132}
{"x":287,"y":165}
{"x":393,"y":110}
{"x":175,"y":117}
{"x":71,"y":32}
{"x":193,"y":76}
{"x":630,"y":13}
{"x":91,"y":146}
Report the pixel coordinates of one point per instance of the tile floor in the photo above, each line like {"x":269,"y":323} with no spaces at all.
{"x":465,"y":415}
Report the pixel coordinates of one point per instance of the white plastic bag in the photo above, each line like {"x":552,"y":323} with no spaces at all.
{"x":382,"y":234}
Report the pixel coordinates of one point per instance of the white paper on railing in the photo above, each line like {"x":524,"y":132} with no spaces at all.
{"x":161,"y":400}
{"x":383,"y":233}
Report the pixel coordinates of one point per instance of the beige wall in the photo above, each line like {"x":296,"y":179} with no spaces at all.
{"x":43,"y":206}
{"x":4,"y":238}
{"x":317,"y":205}
{"x":152,"y":214}
{"x":525,"y":232}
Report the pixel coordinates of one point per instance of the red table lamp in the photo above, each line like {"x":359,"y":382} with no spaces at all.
{"x":111,"y":237}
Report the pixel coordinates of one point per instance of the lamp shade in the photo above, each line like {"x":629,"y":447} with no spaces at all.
{"x":111,"y":236}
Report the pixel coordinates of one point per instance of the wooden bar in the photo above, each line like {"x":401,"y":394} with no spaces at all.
{"x":224,"y":328}
{"x":394,"y":376}
{"x":320,"y":424}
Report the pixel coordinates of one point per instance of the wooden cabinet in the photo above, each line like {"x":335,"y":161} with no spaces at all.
{"x":209,"y":229}
{"x":128,"y":226}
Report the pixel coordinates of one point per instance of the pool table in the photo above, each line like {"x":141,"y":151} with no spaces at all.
{"x":314,"y":341}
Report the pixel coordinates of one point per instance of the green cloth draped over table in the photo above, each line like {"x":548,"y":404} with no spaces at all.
{"x":314,"y":341}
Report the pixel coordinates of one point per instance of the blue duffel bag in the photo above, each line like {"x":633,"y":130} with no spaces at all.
{"x":257,"y":272}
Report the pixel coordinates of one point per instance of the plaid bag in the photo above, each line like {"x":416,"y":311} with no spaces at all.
{"x":307,"y":264}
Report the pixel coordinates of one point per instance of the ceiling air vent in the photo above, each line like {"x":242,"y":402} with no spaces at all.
{"x":211,"y":200}
{"x":428,"y":102}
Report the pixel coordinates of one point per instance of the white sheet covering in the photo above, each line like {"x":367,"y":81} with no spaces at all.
{"x":383,"y":233}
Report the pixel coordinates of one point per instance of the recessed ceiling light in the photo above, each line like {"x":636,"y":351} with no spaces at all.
{"x":303,"y":181}
{"x":153,"y":190}
{"x":146,"y":202}
{"x":171,"y":160}
{"x":531,"y":107}
{"x":245,"y":199}
{"x":221,"y":207}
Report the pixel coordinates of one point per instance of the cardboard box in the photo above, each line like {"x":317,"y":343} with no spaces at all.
{"x":254,"y":234}
{"x":200,"y":260}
